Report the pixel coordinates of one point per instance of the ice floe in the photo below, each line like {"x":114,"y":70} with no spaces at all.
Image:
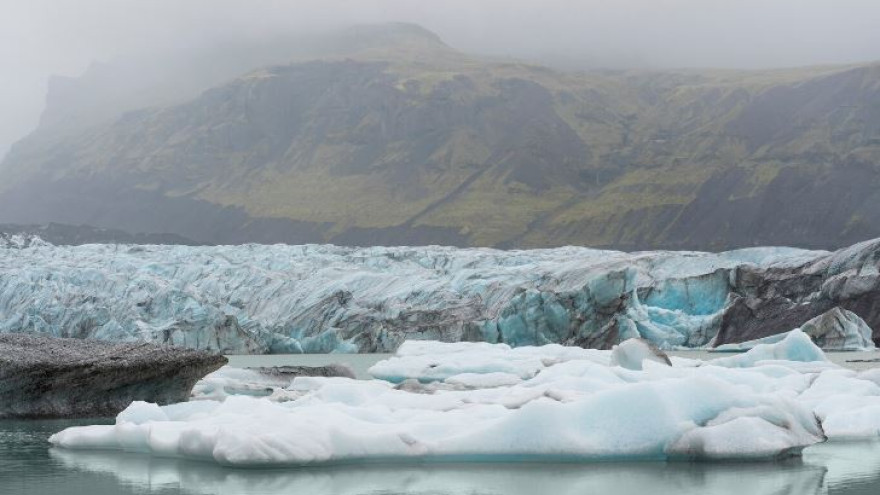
{"x":493,"y":403}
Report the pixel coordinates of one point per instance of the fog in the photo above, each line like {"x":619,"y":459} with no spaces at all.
{"x":42,"y":37}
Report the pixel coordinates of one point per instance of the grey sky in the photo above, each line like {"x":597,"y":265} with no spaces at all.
{"x":43,"y":37}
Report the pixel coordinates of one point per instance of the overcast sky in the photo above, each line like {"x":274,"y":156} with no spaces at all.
{"x":43,"y":37}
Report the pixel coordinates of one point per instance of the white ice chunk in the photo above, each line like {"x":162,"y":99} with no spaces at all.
{"x":795,"y":346}
{"x":140,"y":412}
{"x":632,"y":352}
{"x":429,"y":361}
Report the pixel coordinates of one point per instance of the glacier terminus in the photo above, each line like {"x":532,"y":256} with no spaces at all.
{"x":257,"y":299}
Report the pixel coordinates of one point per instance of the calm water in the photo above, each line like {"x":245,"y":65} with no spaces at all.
{"x":28,"y":466}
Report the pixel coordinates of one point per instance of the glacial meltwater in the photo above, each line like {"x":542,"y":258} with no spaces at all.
{"x":29,"y":466}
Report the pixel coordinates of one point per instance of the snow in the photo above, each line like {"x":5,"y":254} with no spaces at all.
{"x":254,"y":299}
{"x":489,"y":402}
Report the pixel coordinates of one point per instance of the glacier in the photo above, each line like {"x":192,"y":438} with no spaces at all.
{"x":536,"y":403}
{"x":834,"y":330}
{"x":254,"y":299}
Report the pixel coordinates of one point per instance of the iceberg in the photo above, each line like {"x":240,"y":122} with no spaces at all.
{"x":480,"y":402}
{"x":255,"y":299}
{"x":42,"y":377}
{"x":794,"y":346}
{"x":633,"y":352}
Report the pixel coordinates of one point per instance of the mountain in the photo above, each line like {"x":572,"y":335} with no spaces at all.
{"x":385,"y":135}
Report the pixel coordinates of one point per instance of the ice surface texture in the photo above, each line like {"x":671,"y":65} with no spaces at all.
{"x":47,"y":377}
{"x":290,"y":299}
{"x":536,"y":403}
{"x":261,"y":382}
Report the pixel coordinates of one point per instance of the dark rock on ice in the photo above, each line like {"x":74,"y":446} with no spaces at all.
{"x":43,"y":377}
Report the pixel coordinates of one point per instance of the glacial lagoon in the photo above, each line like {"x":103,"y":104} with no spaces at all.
{"x":28,"y":465}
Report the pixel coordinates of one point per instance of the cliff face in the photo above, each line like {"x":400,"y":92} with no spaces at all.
{"x":391,"y":137}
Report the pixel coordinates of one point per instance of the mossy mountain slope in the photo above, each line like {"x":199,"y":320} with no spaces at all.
{"x":406,"y":141}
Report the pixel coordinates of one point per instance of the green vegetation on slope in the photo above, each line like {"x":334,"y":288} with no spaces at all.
{"x":404,"y":140}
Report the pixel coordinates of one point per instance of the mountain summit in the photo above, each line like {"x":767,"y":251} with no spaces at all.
{"x":385,"y":135}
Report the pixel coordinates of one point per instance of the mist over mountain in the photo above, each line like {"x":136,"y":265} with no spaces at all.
{"x":39,"y":38}
{"x":384,"y":134}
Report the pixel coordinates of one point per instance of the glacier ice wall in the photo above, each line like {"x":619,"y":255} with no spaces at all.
{"x":316,"y":298}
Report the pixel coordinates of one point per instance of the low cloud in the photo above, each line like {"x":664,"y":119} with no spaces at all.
{"x":43,"y":37}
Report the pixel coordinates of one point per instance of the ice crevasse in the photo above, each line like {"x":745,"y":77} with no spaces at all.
{"x":491,"y":402}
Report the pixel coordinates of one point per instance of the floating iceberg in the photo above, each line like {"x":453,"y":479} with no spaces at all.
{"x":42,"y":377}
{"x":633,"y":352}
{"x":291,"y":299}
{"x":493,"y":403}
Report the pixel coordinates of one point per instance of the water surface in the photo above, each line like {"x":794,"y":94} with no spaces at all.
{"x":28,"y":466}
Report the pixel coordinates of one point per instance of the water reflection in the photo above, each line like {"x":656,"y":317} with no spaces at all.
{"x":28,"y":466}
{"x":852,"y":467}
{"x":155,"y":475}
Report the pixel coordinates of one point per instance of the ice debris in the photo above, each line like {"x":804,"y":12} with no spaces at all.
{"x":261,"y":382}
{"x":632,"y":352}
{"x":485,"y":402}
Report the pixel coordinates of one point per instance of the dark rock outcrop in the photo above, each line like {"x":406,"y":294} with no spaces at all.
{"x":766,"y":302}
{"x":43,"y":377}
{"x":834,"y":330}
